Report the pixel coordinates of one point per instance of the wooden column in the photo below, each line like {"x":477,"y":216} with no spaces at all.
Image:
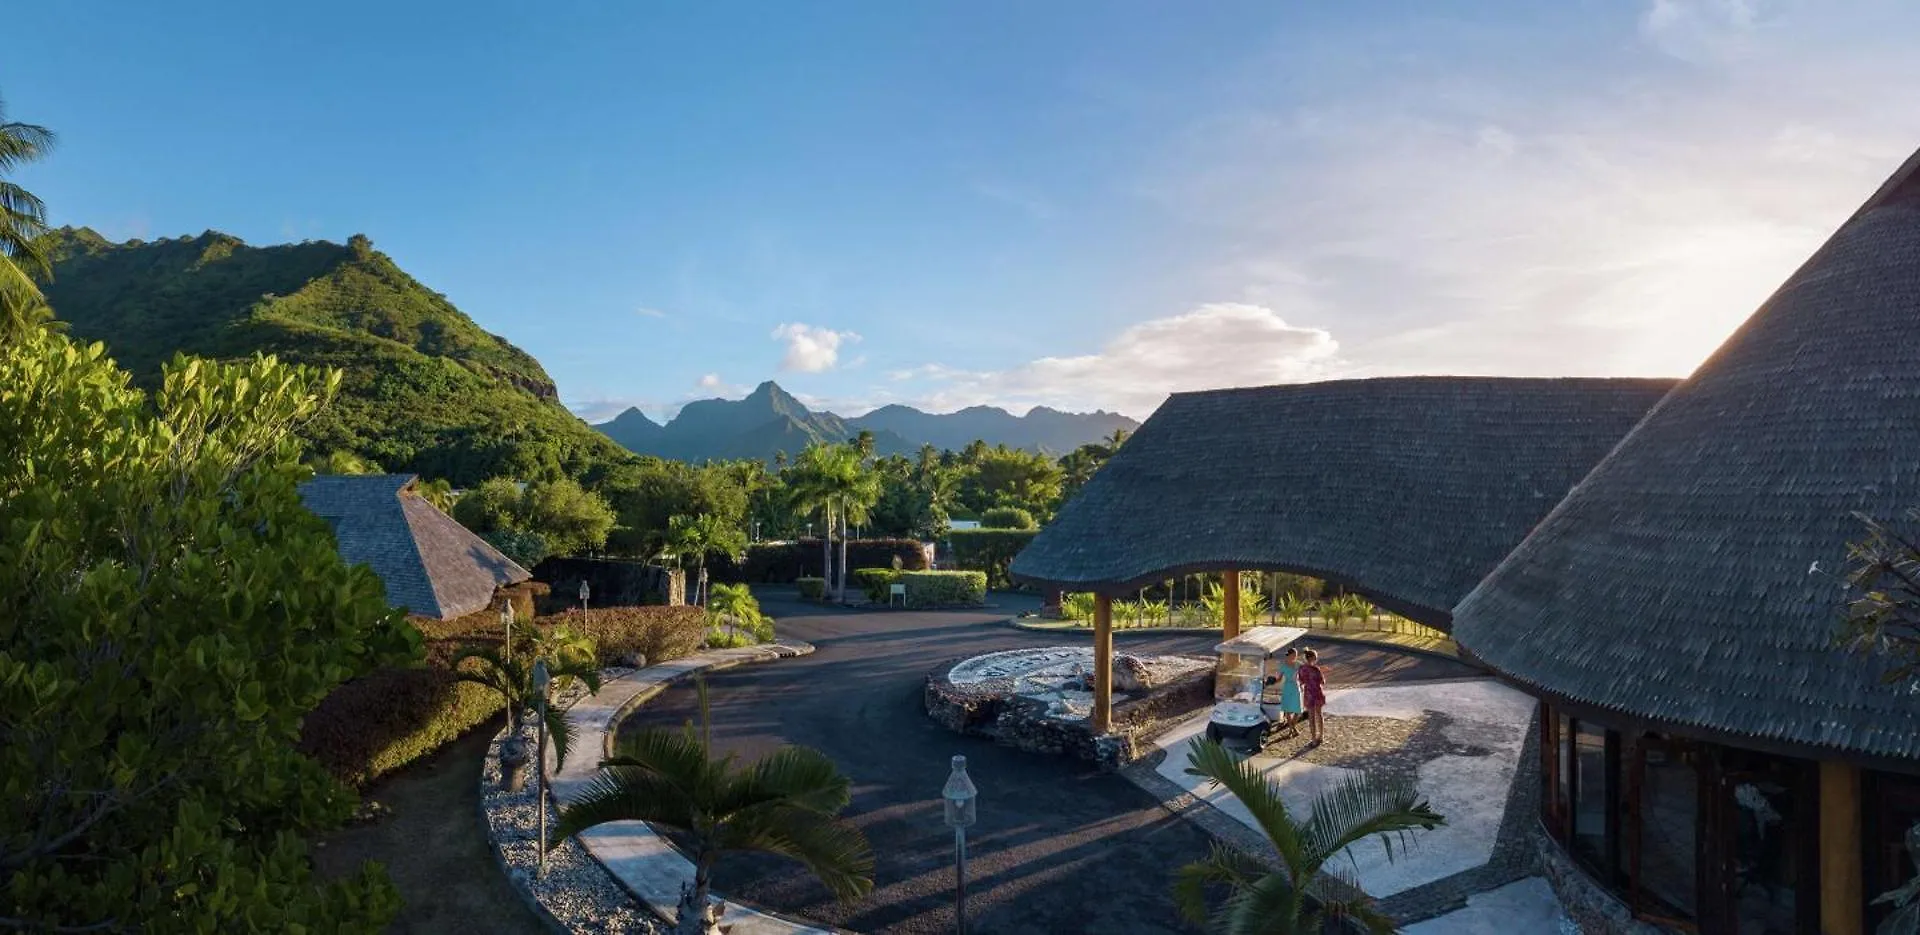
{"x":1841,"y":877}
{"x":1102,"y":663}
{"x":1230,"y":603}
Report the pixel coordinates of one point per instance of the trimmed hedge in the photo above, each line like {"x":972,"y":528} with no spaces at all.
{"x":945,"y":588}
{"x":787,"y":562}
{"x":1008,"y":517}
{"x":387,"y":719}
{"x":989,"y":550}
{"x":877,"y":582}
{"x":812,"y":589}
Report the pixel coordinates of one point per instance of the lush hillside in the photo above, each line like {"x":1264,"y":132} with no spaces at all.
{"x":1042,"y":429}
{"x":424,"y":388}
{"x":766,"y":421}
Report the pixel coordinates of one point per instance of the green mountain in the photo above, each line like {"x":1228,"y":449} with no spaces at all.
{"x":424,"y":388}
{"x":766,"y":421}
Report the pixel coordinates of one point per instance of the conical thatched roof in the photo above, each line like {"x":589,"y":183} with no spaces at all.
{"x":1694,"y":577}
{"x":431,"y":564}
{"x":1406,"y":489}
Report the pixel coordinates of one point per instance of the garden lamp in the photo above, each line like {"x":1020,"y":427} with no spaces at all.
{"x":959,"y":794}
{"x":506,"y":620}
{"x":583,"y":597}
{"x":540,"y":682}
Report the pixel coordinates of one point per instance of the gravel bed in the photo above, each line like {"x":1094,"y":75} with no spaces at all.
{"x":579,"y":892}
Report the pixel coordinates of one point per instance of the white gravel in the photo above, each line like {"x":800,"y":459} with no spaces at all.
{"x":577,"y":890}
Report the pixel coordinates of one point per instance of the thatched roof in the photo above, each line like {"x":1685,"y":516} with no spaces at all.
{"x":1408,"y":490}
{"x":1678,"y":582}
{"x":431,"y":564}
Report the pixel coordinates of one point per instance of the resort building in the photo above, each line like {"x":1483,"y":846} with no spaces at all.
{"x":431,"y":565}
{"x":1661,"y":565}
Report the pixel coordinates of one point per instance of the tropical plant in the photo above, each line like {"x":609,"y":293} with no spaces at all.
{"x":834,"y":480}
{"x":1008,"y":517}
{"x":1883,"y":606}
{"x":693,"y":538}
{"x":569,"y":658}
{"x":1077,"y":606}
{"x":1253,"y":604}
{"x":734,"y":606}
{"x":567,"y":517}
{"x":1292,"y":607}
{"x":1295,"y":900}
{"x":1153,"y":613}
{"x":169,"y":615}
{"x":1126,"y":613}
{"x":1354,"y":607}
{"x":785,"y":803}
{"x":1904,"y":899}
{"x":23,"y":222}
{"x":1331,"y":611}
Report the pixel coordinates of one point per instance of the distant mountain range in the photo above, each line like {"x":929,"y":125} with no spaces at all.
{"x":770,"y":420}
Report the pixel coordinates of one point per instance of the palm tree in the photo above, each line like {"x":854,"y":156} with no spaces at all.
{"x":734,"y":605}
{"x":695,"y":538}
{"x":569,"y":657}
{"x":785,"y":803}
{"x":834,"y":480}
{"x":1291,"y":607}
{"x":23,"y":220}
{"x":1295,"y":900}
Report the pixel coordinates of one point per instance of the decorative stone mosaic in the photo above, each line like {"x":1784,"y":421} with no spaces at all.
{"x":1058,"y":676}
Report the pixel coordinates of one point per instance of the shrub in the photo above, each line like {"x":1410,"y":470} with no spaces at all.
{"x":1008,"y":517}
{"x":1077,"y":606}
{"x":940,"y":588}
{"x":727,"y":638}
{"x":812,"y":589}
{"x":877,"y":582}
{"x":786,"y":562}
{"x":989,"y":550}
{"x":618,"y":633}
{"x":382,"y":721}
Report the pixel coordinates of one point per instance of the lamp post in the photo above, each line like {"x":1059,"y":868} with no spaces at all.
{"x":583,"y":597}
{"x":540,"y":680}
{"x":959,"y":794}
{"x":506,"y":621}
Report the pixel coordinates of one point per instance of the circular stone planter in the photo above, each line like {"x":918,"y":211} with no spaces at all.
{"x":1039,"y":699}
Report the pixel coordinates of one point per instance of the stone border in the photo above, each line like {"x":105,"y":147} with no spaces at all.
{"x":512,"y":874}
{"x":644,"y":863}
{"x":1311,"y":634}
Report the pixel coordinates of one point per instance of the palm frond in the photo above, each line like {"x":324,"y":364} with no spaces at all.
{"x":1364,"y":806}
{"x":1344,"y":901}
{"x":22,"y":143}
{"x":832,"y":849}
{"x":1223,"y":867}
{"x":560,"y":734}
{"x":1214,"y":761}
{"x":626,"y":793}
{"x":672,"y":755}
{"x":795,"y":777}
{"x":1268,"y":906}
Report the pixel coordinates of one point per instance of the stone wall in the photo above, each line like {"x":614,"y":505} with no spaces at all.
{"x":1591,"y":907}
{"x":990,"y":710}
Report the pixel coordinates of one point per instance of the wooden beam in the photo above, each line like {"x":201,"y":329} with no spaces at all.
{"x":1102,"y":663}
{"x":1842,"y":893}
{"x":1230,"y":603}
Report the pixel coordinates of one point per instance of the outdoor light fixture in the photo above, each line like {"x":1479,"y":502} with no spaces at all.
{"x":540,"y":682}
{"x":583,"y":597}
{"x":959,"y":795}
{"x":506,"y":620}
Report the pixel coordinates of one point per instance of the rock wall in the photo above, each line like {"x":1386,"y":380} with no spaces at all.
{"x":1591,"y":907}
{"x":991,"y":710}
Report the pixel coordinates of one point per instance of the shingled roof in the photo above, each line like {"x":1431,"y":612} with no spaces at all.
{"x":431,"y":564}
{"x":1405,"y":489}
{"x":1694,"y":577}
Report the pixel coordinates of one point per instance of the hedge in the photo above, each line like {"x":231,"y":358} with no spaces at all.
{"x":944,"y":588}
{"x":812,"y":589}
{"x":786,"y":562}
{"x":877,"y":582}
{"x":989,"y":550}
{"x":1008,"y":517}
{"x":387,"y":719}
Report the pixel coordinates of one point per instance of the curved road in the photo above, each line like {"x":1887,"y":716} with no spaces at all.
{"x":1059,"y":846}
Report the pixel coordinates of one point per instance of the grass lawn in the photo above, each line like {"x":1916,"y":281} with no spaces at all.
{"x":434,"y":846}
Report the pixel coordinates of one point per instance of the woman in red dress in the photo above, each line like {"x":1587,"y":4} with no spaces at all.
{"x":1313,"y":683}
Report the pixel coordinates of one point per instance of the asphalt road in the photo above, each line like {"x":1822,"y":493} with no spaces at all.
{"x":1059,"y":846}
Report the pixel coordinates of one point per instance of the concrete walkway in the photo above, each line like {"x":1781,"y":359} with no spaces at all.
{"x":641,"y":860}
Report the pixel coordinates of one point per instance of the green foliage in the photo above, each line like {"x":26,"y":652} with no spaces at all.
{"x":836,"y":481}
{"x":1883,"y":604}
{"x":425,"y":390}
{"x":343,"y":462}
{"x":734,"y":608}
{"x":782,"y":562}
{"x":169,"y":612}
{"x":660,"y":633}
{"x":1079,"y":465}
{"x":989,"y":550}
{"x":509,"y":675}
{"x":527,"y":549}
{"x":945,"y":588}
{"x":1010,"y":477}
{"x":721,"y":636}
{"x":1253,"y":604}
{"x":648,"y":493}
{"x":1295,"y":899}
{"x":1008,"y":517}
{"x":696,"y":537}
{"x":876,"y":582}
{"x":563,"y":517}
{"x":383,"y":721}
{"x":785,"y":803}
{"x":23,"y":222}
{"x":1077,"y":606}
{"x":812,"y":589}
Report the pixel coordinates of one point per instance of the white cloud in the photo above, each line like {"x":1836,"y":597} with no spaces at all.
{"x":1215,"y":345}
{"x":811,"y":349}
{"x":1701,"y":31}
{"x":646,"y":312}
{"x":710,"y":381}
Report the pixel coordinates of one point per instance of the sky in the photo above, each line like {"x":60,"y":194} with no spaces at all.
{"x":1076,"y":204}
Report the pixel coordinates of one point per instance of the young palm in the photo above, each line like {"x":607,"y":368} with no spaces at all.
{"x":23,"y":219}
{"x":785,"y":803}
{"x":569,"y":658}
{"x":1295,"y":900}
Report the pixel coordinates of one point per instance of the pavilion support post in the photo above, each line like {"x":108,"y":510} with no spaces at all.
{"x":1842,"y":893}
{"x":1230,"y":603}
{"x":1102,"y":663}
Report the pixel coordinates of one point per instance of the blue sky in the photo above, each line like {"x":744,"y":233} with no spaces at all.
{"x":1076,"y":204}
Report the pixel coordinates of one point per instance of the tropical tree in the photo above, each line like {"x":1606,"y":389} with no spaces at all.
{"x":169,"y":613}
{"x":734,"y":605}
{"x":23,"y":221}
{"x":568,"y":518}
{"x":834,"y":480}
{"x":1883,"y":606}
{"x":1292,"y":607}
{"x":785,"y":803}
{"x":1294,"y":899}
{"x":569,"y":657}
{"x":693,"y":538}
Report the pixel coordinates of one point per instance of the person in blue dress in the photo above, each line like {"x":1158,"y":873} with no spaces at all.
{"x":1280,"y":700}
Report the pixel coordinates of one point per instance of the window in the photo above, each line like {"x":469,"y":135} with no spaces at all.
{"x":1591,"y":793}
{"x":1662,"y":846}
{"x":1563,"y":775}
{"x":1892,"y":821}
{"x":1767,"y":852}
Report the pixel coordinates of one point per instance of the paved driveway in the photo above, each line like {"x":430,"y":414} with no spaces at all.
{"x":1060,"y":847}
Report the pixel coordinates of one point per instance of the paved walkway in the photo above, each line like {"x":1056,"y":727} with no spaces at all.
{"x":640,"y":859}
